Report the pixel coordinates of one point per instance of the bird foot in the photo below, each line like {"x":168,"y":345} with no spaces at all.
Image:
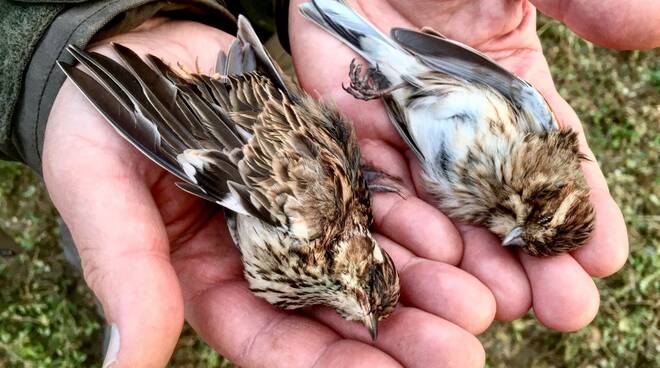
{"x":366,"y":86}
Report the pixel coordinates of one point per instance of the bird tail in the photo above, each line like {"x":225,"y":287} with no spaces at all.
{"x":345,"y":24}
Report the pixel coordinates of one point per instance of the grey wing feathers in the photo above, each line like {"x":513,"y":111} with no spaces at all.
{"x":184,"y":123}
{"x":343,"y":22}
{"x":248,"y":36}
{"x":144,"y":136}
{"x":460,"y":60}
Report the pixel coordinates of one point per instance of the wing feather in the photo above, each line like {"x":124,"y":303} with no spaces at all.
{"x":458,"y":59}
{"x":245,"y":139}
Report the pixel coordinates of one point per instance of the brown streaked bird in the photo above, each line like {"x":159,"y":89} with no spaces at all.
{"x":285,"y":167}
{"x":492,"y":151}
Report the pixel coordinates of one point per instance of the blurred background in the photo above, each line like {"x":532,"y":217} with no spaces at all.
{"x":48,"y":317}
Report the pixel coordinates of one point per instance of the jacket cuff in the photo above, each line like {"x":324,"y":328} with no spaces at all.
{"x":282,"y":23}
{"x":79,"y":25}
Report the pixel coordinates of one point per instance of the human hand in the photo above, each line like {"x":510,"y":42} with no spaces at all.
{"x":625,"y":25}
{"x":154,"y":254}
{"x":559,"y":288}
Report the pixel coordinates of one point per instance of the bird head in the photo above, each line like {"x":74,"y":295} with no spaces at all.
{"x":545,"y":208}
{"x":369,"y":282}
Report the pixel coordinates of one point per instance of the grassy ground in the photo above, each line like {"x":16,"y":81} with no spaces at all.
{"x":48,"y":317}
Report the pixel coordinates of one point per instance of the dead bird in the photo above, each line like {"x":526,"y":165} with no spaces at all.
{"x":492,"y":151}
{"x":284,"y":166}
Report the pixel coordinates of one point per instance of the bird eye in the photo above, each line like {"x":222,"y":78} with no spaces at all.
{"x":545,"y":220}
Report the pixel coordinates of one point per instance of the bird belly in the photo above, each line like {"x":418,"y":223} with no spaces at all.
{"x":445,"y":127}
{"x":458,"y":134}
{"x":272,"y":270}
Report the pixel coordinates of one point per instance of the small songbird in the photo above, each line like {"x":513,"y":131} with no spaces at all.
{"x":285,"y":167}
{"x":491,"y":149}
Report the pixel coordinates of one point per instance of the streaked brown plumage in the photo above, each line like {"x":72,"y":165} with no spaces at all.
{"x":285,"y":167}
{"x":490,"y":146}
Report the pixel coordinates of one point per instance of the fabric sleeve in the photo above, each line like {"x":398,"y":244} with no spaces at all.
{"x":282,"y":23}
{"x":35,"y":36}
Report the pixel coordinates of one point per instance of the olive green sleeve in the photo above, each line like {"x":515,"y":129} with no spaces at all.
{"x":21,"y":25}
{"x":35,"y":34}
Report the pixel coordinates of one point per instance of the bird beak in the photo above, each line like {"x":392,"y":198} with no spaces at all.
{"x":371,"y":322}
{"x":514,"y":237}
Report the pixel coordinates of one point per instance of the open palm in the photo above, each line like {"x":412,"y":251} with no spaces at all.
{"x":154,"y":255}
{"x":559,"y":289}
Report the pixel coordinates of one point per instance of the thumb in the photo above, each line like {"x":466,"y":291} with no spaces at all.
{"x":121,"y":240}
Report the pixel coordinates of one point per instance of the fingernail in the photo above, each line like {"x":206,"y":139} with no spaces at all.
{"x":113,"y":347}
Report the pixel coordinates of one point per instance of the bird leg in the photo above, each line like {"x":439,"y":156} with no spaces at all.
{"x":369,"y":85}
{"x":382,"y":182}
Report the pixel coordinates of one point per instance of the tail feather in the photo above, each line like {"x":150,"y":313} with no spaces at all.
{"x":359,"y":34}
{"x":343,"y":22}
{"x":248,"y":36}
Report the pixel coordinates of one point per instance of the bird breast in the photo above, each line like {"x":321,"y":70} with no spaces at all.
{"x":465,"y":135}
{"x":278,"y":267}
{"x":256,"y":237}
{"x":451,"y":121}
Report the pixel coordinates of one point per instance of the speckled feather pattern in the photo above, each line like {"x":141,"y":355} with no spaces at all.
{"x":285,"y":167}
{"x":490,"y":146}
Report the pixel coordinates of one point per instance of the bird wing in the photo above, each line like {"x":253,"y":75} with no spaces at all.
{"x":241,"y":140}
{"x":458,"y":59}
{"x":303,"y":165}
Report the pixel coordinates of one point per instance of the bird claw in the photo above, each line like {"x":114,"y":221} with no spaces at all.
{"x":366,"y":86}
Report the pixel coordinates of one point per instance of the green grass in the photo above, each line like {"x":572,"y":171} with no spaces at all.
{"x":47,"y":314}
{"x":48,"y":317}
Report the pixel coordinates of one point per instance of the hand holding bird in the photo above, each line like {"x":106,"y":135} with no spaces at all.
{"x":148,"y":249}
{"x":154,"y":254}
{"x":508,"y":35}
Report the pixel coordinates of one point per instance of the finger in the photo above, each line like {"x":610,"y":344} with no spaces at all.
{"x":607,"y":23}
{"x":565,"y":298}
{"x":607,"y":250}
{"x":609,"y":236}
{"x":117,"y":230}
{"x":486,"y":259}
{"x":442,"y":289}
{"x":250,"y":332}
{"x":495,"y":266}
{"x":410,"y":221}
{"x":415,"y":338}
